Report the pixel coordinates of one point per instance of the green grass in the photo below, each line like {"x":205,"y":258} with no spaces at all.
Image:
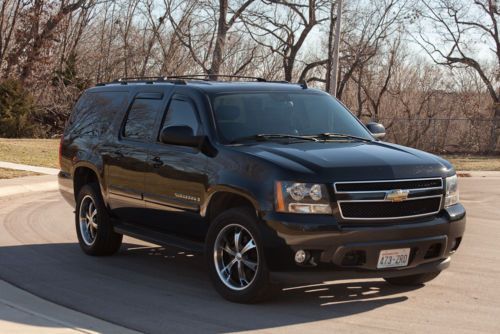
{"x":12,"y":173}
{"x":474,"y":162}
{"x":36,"y":152}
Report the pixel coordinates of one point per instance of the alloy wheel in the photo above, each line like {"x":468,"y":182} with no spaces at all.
{"x":88,"y":220}
{"x":236,"y":257}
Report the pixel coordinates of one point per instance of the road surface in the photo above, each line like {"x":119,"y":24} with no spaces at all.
{"x":158,"y":290}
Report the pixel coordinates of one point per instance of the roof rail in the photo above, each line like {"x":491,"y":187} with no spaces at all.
{"x":147,"y":80}
{"x":181,"y":79}
{"x":127,"y":79}
{"x":206,"y":77}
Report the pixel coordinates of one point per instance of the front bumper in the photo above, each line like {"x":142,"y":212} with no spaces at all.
{"x":345,"y":251}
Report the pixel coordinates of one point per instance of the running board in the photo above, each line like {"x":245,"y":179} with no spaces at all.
{"x":158,"y":237}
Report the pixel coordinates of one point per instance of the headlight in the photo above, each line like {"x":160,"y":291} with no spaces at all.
{"x":299,"y":197}
{"x":451,"y":191}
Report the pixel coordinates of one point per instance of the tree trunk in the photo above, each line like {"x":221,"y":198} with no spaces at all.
{"x":220,"y":42}
{"x":330,"y":48}
{"x":494,"y":145}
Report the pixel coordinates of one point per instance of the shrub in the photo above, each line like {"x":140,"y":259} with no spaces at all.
{"x":16,"y":109}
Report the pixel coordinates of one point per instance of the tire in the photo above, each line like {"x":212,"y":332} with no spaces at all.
{"x":221,"y":250}
{"x":412,"y":280}
{"x":98,"y":237}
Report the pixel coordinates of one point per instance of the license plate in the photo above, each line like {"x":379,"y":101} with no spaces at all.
{"x":390,"y":258}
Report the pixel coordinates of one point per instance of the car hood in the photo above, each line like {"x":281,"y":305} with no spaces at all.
{"x":351,"y":160}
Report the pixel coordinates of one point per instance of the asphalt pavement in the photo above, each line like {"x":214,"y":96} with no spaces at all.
{"x":163,"y":290}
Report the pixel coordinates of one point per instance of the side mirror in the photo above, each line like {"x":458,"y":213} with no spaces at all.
{"x":180,"y":135}
{"x":377,"y":130}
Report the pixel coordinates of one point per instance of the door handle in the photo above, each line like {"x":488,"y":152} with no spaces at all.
{"x":157,"y":162}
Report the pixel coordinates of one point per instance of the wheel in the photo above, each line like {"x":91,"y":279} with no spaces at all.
{"x":235,"y":257}
{"x":418,"y":279}
{"x":93,"y":225}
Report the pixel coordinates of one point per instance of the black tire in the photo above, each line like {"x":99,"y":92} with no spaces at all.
{"x":412,"y":280}
{"x":105,"y":240}
{"x":259,"y":287}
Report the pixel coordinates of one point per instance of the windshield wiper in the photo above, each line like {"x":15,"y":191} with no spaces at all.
{"x":329,"y":135}
{"x":265,"y":136}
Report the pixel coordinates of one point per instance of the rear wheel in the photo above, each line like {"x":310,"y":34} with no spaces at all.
{"x":418,"y":279}
{"x":235,"y":257}
{"x":93,"y":224}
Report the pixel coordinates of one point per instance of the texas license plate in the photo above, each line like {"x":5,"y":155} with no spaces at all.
{"x":390,"y":258}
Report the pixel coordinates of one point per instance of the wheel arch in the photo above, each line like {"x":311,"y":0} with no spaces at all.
{"x":84,"y":174}
{"x":226,"y":198}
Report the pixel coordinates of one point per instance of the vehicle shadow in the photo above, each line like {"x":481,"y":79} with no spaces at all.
{"x":159,"y":290}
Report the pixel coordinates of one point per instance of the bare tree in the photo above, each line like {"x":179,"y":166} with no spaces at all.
{"x":283,"y":26}
{"x":459,"y":24}
{"x":41,"y":32}
{"x":213,"y":42}
{"x":9,"y":15}
{"x":365,"y":30}
{"x":377,"y":83}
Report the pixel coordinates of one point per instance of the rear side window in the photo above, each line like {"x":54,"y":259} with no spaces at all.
{"x":94,"y":112}
{"x":181,"y":113}
{"x":141,"y":118}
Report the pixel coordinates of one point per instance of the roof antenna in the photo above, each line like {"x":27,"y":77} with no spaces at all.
{"x":303,"y":84}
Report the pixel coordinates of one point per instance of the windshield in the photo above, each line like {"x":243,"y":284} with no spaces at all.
{"x":243,"y":115}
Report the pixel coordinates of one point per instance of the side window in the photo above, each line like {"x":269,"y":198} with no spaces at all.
{"x":181,"y":113}
{"x":141,"y":118}
{"x":94,"y":112}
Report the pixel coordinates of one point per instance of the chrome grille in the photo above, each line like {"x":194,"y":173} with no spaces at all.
{"x":367,"y":200}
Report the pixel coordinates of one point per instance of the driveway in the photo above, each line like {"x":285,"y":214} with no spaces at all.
{"x":160,"y":290}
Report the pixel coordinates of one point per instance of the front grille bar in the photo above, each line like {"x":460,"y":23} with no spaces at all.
{"x":416,"y":187}
{"x":340,"y":187}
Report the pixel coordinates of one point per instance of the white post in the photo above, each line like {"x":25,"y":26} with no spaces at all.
{"x":335,"y":52}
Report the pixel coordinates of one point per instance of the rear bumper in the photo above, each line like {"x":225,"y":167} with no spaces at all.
{"x":340,"y":252}
{"x":66,"y":187}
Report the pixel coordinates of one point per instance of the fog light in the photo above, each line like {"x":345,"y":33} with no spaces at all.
{"x":301,"y":256}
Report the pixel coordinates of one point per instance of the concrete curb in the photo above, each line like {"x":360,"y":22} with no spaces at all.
{"x":21,"y":312}
{"x":29,"y":168}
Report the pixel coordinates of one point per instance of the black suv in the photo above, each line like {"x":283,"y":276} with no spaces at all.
{"x":274,"y":182}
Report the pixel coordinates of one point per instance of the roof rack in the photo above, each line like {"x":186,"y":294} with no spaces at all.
{"x":127,"y":79}
{"x":206,"y":77}
{"x":182,"y":79}
{"x":147,"y":80}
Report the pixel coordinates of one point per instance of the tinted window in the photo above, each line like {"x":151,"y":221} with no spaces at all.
{"x":141,"y":118}
{"x":181,"y":113}
{"x":94,"y":112}
{"x":248,"y":114}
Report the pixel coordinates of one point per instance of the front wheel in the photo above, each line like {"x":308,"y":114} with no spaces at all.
{"x":235,"y":257}
{"x":418,"y":279}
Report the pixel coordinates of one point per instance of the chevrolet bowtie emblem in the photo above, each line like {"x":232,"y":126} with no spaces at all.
{"x":397,"y":195}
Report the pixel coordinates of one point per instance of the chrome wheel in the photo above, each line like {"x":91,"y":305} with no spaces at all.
{"x":88,"y":220}
{"x":236,"y":257}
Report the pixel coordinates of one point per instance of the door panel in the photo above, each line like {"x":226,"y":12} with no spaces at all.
{"x":176,"y":181}
{"x":126,"y":168}
{"x":126,"y":159}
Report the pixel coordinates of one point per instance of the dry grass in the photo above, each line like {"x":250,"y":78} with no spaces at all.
{"x":44,"y":152}
{"x":474,"y":163}
{"x":12,"y":173}
{"x":36,"y":152}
